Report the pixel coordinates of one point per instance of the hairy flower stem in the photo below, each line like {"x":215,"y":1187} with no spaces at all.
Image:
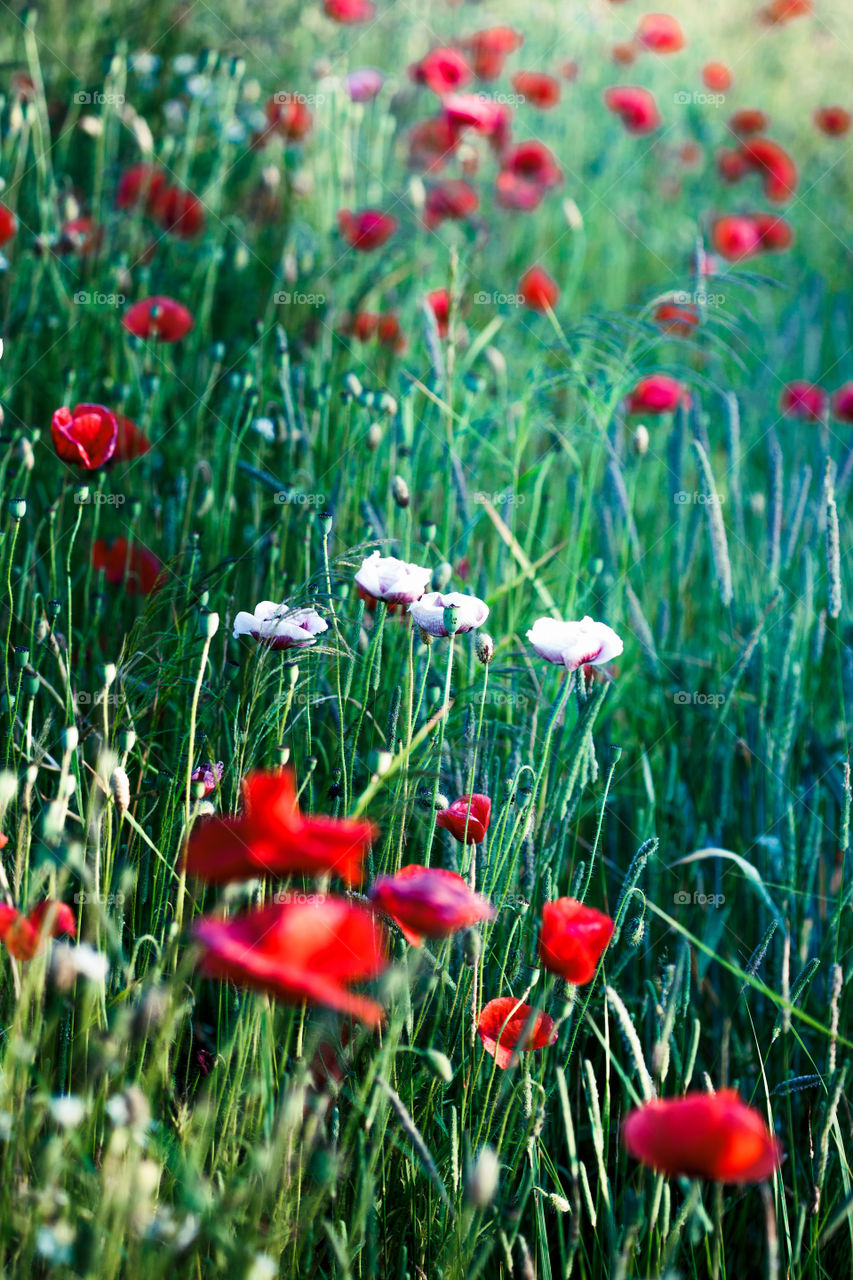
{"x":375,"y":645}
{"x":345,"y":779}
{"x":182,"y":883}
{"x":441,"y":726}
{"x":472,"y":869}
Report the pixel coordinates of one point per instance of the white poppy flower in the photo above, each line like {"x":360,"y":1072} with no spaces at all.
{"x":392,"y":580}
{"x":428,"y":612}
{"x":280,"y":627}
{"x":574,"y":644}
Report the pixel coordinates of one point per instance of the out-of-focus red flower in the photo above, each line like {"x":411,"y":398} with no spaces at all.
{"x":160,"y":318}
{"x":299,"y":951}
{"x":483,"y":115}
{"x":443,"y":70}
{"x":657,"y":393}
{"x":389,"y":332}
{"x":833,"y":121}
{"x":781,"y":11}
{"x":179,"y":212}
{"x":361,"y":326}
{"x":747,"y":121}
{"x":735,"y":236}
{"x":429,"y":902}
{"x":8,"y":224}
{"x":127,"y":565}
{"x":775,"y":166}
{"x":539,"y":290}
{"x":271,"y":837}
{"x":635,"y":106}
{"x":22,"y":935}
{"x":537,"y":88}
{"x":488,"y":50}
{"x":717,"y":77}
{"x":623,"y":54}
{"x":842,"y":403}
{"x":131,"y":441}
{"x":507,"y":1028}
{"x":775,"y":232}
{"x":675,"y":318}
{"x":570,"y":70}
{"x":349,"y":12}
{"x":573,"y":939}
{"x":529,"y":170}
{"x":806,"y":400}
{"x":288,"y":115}
{"x":141,"y":184}
{"x":452,"y":198}
{"x":82,"y":236}
{"x":368,"y":229}
{"x":660,"y":32}
{"x":702,"y":1135}
{"x":431,"y":143}
{"x":84,"y":436}
{"x":467,"y":818}
{"x":438,"y":302}
{"x":731,"y":165}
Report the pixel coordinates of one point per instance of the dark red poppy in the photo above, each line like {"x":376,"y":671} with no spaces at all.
{"x":681,"y":321}
{"x":453,"y":198}
{"x":717,"y":77}
{"x":361,"y":326}
{"x":161,"y":319}
{"x":736,"y":236}
{"x":660,"y":32}
{"x":833,"y":121}
{"x":271,"y":837}
{"x":443,"y":70}
{"x":130,"y":566}
{"x":657,"y":393}
{"x":781,"y":11}
{"x":732,"y":165}
{"x":369,"y":229}
{"x":288,"y":116}
{"x":488,"y":50}
{"x":747,"y":121}
{"x":179,"y":212}
{"x":507,"y":1028}
{"x":141,"y":184}
{"x":131,"y":441}
{"x":703,"y":1135}
{"x":22,"y":935}
{"x":485,"y":116}
{"x":537,"y":88}
{"x":429,"y":902}
{"x":349,"y":12}
{"x":775,"y":232}
{"x":431,"y":143}
{"x":573,"y":939}
{"x":467,"y":818}
{"x":529,"y":170}
{"x":539,"y":290}
{"x":389,"y":332}
{"x":84,"y":436}
{"x":804,"y":400}
{"x":775,"y":166}
{"x":438,"y":302}
{"x":842,"y":403}
{"x":297,"y":951}
{"x":8,"y":224}
{"x":636,"y":107}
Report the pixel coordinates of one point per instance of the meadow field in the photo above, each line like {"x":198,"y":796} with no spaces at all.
{"x":426,"y":452}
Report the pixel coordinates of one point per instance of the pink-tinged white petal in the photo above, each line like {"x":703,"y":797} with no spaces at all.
{"x":392,"y":580}
{"x":280,"y":627}
{"x":574,"y":644}
{"x":428,"y":612}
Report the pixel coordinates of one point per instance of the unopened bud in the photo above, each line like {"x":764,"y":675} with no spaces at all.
{"x":640,"y":440}
{"x":485,"y":647}
{"x":483,"y":1176}
{"x":400,"y":491}
{"x":208,"y":624}
{"x":441,"y":575}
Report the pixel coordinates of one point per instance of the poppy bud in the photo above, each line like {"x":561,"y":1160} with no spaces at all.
{"x":428,"y":531}
{"x":70,"y":737}
{"x":483,"y":1177}
{"x":126,"y":741}
{"x":473,"y":947}
{"x":208,"y":624}
{"x":17,"y":508}
{"x":107,"y":673}
{"x":441,"y":575}
{"x":640,"y":440}
{"x":374,"y":437}
{"x":440,"y":1064}
{"x":485,"y":647}
{"x":400,"y":492}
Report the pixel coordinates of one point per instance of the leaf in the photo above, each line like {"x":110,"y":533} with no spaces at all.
{"x":749,"y":871}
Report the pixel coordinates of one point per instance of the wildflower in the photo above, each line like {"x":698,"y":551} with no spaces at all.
{"x":573,"y":939}
{"x":369,"y":229}
{"x":131,"y":441}
{"x":364,"y":84}
{"x":537,"y":88}
{"x":636,"y":107}
{"x":539,"y":291}
{"x":85,"y":436}
{"x":271,"y":837}
{"x":660,"y":32}
{"x":775,"y":233}
{"x":483,"y":115}
{"x":658,"y":393}
{"x":574,"y":644}
{"x":348,"y":12}
{"x":467,"y":818}
{"x":747,"y":121}
{"x":179,"y":212}
{"x":454,"y":199}
{"x":781,"y":11}
{"x":736,"y":236}
{"x":842,"y":403}
{"x":803,"y":400}
{"x":438,"y":301}
{"x":442,"y":70}
{"x":714,"y":1136}
{"x":528,"y":171}
{"x":429,"y":612}
{"x":833,"y":121}
{"x":507,"y":1028}
{"x":299,"y":951}
{"x":775,"y":166}
{"x":140,"y":185}
{"x":429,"y":902}
{"x":22,"y":935}
{"x":161,"y":319}
{"x":288,"y":116}
{"x":280,"y":627}
{"x":489,"y":49}
{"x":431,"y":142}
{"x":680,"y":321}
{"x":392,"y":580}
{"x":128,"y":565}
{"x":210,"y":775}
{"x":717,"y":77}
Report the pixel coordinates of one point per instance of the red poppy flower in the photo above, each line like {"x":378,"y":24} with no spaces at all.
{"x":660,"y":32}
{"x":488,"y":50}
{"x":748,"y":120}
{"x":658,"y":393}
{"x":775,"y":232}
{"x":529,"y":170}
{"x":161,"y":319}
{"x":84,"y":436}
{"x":780,"y":11}
{"x":438,"y":302}
{"x":573,"y":939}
{"x":23,"y":934}
{"x":8,"y":224}
{"x":803,"y":400}
{"x":676,"y":319}
{"x":775,"y":165}
{"x":179,"y":212}
{"x":732,"y":165}
{"x":736,"y":236}
{"x":467,"y":818}
{"x":539,"y":290}
{"x":361,"y":326}
{"x":349,"y":12}
{"x":702,"y":1135}
{"x":133,"y":567}
{"x":271,"y":837}
{"x":717,"y":77}
{"x":131,"y":442}
{"x":453,"y":198}
{"x":507,"y":1027}
{"x":389,"y":333}
{"x":443,"y":70}
{"x":636,"y":107}
{"x":369,"y":229}
{"x":483,"y":115}
{"x":288,"y":116}
{"x":833,"y":121}
{"x":299,"y":951}
{"x":141,"y":184}
{"x":429,"y":902}
{"x":537,"y":88}
{"x":431,"y":143}
{"x":842,"y":403}
{"x":623,"y":54}
{"x":82,"y":236}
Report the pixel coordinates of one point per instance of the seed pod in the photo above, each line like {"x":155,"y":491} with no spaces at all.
{"x":485,"y":647}
{"x":400,"y":492}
